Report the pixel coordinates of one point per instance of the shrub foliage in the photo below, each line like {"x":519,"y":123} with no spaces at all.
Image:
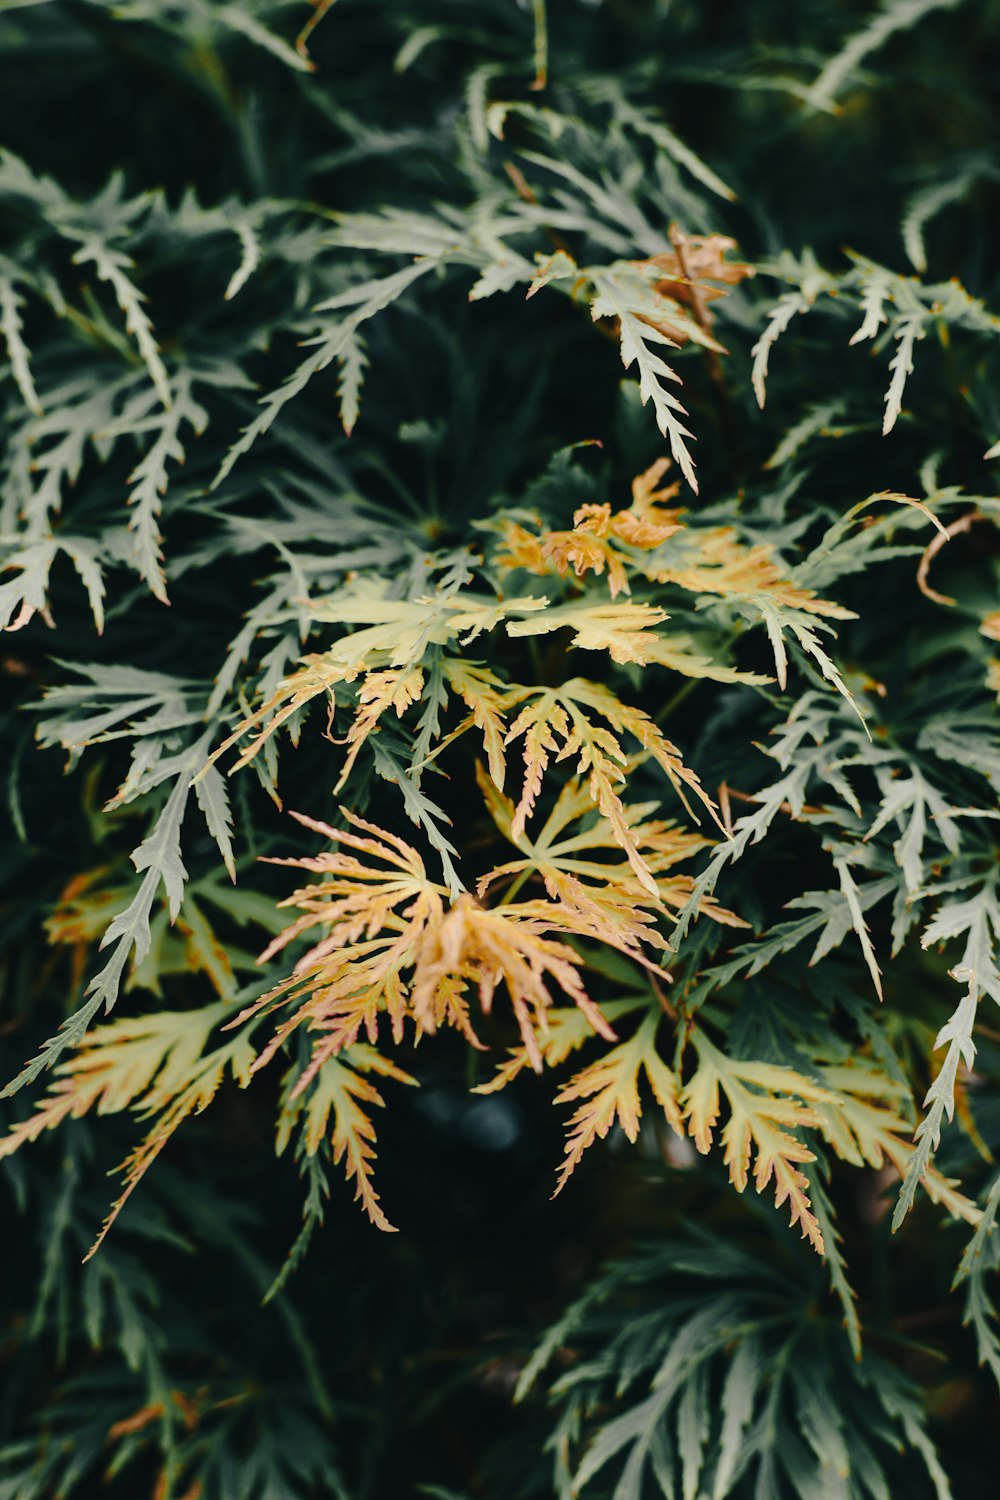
{"x":499,"y":584}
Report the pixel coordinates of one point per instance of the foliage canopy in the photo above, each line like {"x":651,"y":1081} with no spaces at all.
{"x":500,"y":699}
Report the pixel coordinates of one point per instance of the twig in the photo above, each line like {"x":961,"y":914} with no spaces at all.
{"x":937,"y":541}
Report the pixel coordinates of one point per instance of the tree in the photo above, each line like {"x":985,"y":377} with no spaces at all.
{"x":500,"y":657}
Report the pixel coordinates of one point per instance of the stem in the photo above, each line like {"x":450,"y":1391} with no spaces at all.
{"x":514,"y":887}
{"x":677,"y":699}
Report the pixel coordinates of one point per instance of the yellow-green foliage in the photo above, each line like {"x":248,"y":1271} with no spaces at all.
{"x":514,"y":596}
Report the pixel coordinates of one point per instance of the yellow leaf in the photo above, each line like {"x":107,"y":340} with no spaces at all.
{"x":340,"y":1090}
{"x":609,"y":1089}
{"x":115,"y":1067}
{"x":647,"y":492}
{"x":389,"y":948}
{"x":624,"y":631}
{"x":396,"y":688}
{"x":567,"y":1031}
{"x":599,"y":534}
{"x":559,"y":723}
{"x":396,"y":636}
{"x":156,"y":1065}
{"x":204,"y":950}
{"x":371,"y":905}
{"x":571,"y":856}
{"x":679,"y":654}
{"x":716,"y":562}
{"x":695,"y":259}
{"x":766,"y":1103}
{"x":482,"y":693}
{"x":509,"y":944}
{"x":398,"y":631}
{"x":861,"y":1123}
{"x":235,"y":1056}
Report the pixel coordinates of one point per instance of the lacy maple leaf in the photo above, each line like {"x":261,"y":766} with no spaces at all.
{"x":601,"y":539}
{"x":391,"y":947}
